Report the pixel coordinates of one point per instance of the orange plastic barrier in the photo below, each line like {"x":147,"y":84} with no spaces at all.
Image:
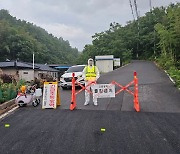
{"x":123,"y":88}
{"x":73,"y":95}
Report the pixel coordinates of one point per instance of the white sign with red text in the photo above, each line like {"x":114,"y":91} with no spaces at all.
{"x":50,"y":95}
{"x":103,"y":90}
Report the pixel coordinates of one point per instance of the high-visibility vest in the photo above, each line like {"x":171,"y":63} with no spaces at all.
{"x":90,"y":73}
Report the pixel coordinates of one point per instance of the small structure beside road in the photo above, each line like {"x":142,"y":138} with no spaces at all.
{"x":105,"y":63}
{"x":117,"y":63}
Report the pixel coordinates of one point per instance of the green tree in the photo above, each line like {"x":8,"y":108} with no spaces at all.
{"x":19,"y":39}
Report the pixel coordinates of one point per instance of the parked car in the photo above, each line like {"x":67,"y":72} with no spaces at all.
{"x":66,"y":78}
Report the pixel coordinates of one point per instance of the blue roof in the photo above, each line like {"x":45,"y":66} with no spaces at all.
{"x":62,"y":67}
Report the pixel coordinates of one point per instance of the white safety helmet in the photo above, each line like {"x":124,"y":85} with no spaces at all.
{"x":90,"y":60}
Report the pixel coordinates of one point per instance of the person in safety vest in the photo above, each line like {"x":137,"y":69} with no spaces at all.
{"x":91,"y":74}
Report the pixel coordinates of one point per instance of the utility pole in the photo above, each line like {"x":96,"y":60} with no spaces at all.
{"x":33,"y":67}
{"x":33,"y":60}
{"x":155,"y":43}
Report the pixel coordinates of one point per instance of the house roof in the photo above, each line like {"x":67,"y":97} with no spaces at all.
{"x":27,"y":65}
{"x":44,"y":67}
{"x":16,"y":64}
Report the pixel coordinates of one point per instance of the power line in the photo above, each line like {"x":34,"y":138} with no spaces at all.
{"x":137,"y":15}
{"x":138,"y":26}
{"x":132,"y":9}
{"x":150,"y":5}
{"x":136,"y":9}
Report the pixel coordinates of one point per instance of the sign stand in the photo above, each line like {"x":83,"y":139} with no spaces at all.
{"x":51,"y":95}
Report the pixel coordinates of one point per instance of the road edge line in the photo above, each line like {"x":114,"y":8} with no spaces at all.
{"x":8,"y":112}
{"x":125,"y":65}
{"x":169,"y":77}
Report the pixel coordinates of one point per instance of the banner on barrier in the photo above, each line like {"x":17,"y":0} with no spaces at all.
{"x":103,"y":90}
{"x":50,"y":95}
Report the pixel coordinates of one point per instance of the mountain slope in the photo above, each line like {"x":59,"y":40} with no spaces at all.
{"x":19,"y":39}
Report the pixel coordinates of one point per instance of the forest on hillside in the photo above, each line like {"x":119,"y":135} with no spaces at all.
{"x":156,"y":35}
{"x":19,"y":39}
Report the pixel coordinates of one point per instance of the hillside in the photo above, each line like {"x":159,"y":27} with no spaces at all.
{"x":154,"y":35}
{"x":19,"y":39}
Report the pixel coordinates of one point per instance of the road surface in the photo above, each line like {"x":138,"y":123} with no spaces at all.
{"x":156,"y":129}
{"x":156,"y":92}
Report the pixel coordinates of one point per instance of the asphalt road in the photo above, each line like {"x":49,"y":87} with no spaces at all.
{"x":156,"y":92}
{"x":156,"y":129}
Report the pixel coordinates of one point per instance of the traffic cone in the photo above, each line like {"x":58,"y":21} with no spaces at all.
{"x":136,"y":104}
{"x":136,"y":98}
{"x":73,"y":94}
{"x":72,"y":106}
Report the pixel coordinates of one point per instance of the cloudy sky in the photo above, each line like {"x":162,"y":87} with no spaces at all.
{"x":77,"y":20}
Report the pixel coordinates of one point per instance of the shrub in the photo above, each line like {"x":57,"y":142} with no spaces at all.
{"x":167,"y":63}
{"x":6,"y":78}
{"x":175,"y":74}
{"x":9,"y":91}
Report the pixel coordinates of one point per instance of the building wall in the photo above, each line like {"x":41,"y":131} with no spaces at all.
{"x":37,"y":73}
{"x":27,"y":75}
{"x":53,"y":74}
{"x":10,"y":71}
{"x":104,"y":66}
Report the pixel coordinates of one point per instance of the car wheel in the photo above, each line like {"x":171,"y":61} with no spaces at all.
{"x":64,"y":88}
{"x":38,"y":101}
{"x":35,"y":103}
{"x":21,"y":104}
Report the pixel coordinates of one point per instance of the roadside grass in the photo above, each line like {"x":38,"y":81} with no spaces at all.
{"x":175,"y":75}
{"x":166,"y":63}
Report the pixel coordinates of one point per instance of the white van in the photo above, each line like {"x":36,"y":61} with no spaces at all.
{"x":66,"y":78}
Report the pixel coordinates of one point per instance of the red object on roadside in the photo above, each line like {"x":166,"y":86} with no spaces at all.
{"x":73,"y":95}
{"x":136,"y":97}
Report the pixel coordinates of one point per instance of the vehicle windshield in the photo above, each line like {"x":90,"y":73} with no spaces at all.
{"x":75,"y":69}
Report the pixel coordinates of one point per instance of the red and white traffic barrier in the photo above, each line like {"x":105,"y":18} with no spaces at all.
{"x":123,"y":88}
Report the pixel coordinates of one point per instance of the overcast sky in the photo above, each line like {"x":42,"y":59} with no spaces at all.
{"x":76,"y":20}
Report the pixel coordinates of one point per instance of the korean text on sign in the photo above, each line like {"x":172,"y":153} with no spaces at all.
{"x":103,"y":90}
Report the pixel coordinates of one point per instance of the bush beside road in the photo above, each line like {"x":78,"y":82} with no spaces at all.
{"x":169,"y":66}
{"x":9,"y":91}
